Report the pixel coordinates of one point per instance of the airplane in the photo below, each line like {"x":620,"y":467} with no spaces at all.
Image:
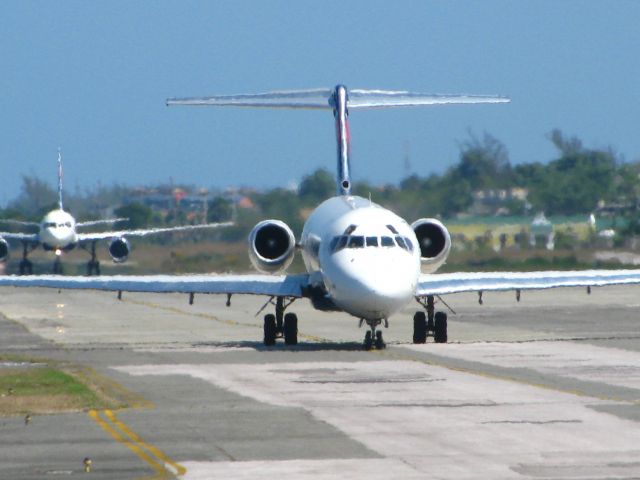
{"x":58,"y":232}
{"x":360,"y":258}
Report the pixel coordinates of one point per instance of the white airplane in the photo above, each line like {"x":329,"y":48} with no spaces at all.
{"x":57,"y":232}
{"x":360,"y":258}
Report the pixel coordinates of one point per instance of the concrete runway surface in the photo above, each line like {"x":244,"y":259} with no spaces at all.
{"x":547,"y":388}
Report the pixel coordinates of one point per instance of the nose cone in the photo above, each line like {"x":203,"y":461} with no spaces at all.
{"x":374,"y":283}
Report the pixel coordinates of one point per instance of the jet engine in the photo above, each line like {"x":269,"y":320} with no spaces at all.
{"x":4,"y":249}
{"x":434,"y":242}
{"x":119,"y":249}
{"x":271,"y":246}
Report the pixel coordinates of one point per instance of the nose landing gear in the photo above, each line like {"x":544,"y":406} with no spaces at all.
{"x":374,"y":337}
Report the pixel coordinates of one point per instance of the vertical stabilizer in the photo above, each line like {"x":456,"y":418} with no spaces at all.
{"x":343,"y":138}
{"x":60,"y":180}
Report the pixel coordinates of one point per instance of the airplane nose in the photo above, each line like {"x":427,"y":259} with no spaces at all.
{"x":375,"y":289}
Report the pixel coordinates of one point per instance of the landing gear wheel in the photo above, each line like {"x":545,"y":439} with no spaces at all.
{"x":26,"y":267}
{"x":419,"y":327}
{"x":269,"y":329}
{"x":57,"y":267}
{"x":93,"y":266}
{"x":380,"y":345}
{"x":290,"y":329}
{"x":440,"y":328}
{"x":368,"y":342}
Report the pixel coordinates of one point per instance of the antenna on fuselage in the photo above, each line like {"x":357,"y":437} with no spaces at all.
{"x":340,"y":100}
{"x":60,"y":180}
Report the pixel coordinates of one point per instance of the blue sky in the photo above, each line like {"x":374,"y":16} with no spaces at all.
{"x":92,"y":78}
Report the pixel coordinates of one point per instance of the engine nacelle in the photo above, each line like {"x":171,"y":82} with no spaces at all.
{"x":119,"y":249}
{"x":434,"y":242}
{"x":271,"y":246}
{"x":4,"y":249}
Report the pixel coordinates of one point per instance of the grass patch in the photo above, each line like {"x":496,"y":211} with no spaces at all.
{"x":46,"y":388}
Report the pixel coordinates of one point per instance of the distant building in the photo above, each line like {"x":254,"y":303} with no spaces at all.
{"x":495,"y":201}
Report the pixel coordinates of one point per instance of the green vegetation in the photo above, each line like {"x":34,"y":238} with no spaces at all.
{"x":36,"y":388}
{"x":577,"y":182}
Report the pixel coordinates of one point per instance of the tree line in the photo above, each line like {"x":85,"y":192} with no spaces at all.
{"x":575,"y":182}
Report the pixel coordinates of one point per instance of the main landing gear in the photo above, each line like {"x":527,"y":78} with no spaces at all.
{"x":372,"y":337}
{"x":93,"y":266}
{"x":433,"y":324}
{"x":26,"y":267}
{"x":280,"y":325}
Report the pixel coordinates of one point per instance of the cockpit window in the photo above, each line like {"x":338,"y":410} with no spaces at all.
{"x":341,"y":242}
{"x":387,"y":242}
{"x":372,"y":241}
{"x":49,"y":225}
{"x":357,"y":241}
{"x":409,"y":244}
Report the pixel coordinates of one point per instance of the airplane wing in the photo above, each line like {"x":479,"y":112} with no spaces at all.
{"x":147,"y":231}
{"x":439,"y":284}
{"x":28,"y":237}
{"x":21,"y":223}
{"x":275,"y":285}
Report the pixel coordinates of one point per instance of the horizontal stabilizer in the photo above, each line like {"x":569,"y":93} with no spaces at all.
{"x":323,"y":99}
{"x":318,"y":98}
{"x":107,"y":221}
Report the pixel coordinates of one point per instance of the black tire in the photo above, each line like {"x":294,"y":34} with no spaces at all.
{"x":290,"y":329}
{"x":440,"y":333}
{"x":368,"y":342}
{"x":380,"y":345}
{"x":93,"y":267}
{"x":269,"y":329}
{"x":419,"y":327}
{"x":26,"y":267}
{"x":57,"y":268}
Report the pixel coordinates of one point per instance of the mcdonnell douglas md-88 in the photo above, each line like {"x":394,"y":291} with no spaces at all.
{"x":57,"y":233}
{"x":360,"y":257}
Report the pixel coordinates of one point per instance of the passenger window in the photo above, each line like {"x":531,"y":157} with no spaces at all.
{"x":401,"y":243}
{"x":372,"y":241}
{"x":356,"y":242}
{"x":387,"y":242}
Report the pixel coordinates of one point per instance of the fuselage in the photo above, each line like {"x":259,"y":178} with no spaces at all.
{"x":58,"y":231}
{"x":365,"y":256}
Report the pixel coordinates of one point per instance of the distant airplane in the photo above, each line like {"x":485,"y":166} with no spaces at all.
{"x":360,"y":257}
{"x":57,"y":232}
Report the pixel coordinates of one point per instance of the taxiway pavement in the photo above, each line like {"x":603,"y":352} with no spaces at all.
{"x":548,"y":387}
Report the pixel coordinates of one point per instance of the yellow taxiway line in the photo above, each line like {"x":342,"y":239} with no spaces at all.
{"x":164,"y":466}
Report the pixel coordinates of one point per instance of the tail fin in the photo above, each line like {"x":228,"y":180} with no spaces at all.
{"x":340,"y":100}
{"x":60,"y":180}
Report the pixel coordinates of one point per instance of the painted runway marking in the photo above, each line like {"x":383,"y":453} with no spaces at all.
{"x":153,"y":456}
{"x":434,"y":420}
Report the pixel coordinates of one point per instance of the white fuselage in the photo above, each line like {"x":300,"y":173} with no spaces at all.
{"x":365,"y":256}
{"x":58,"y":231}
